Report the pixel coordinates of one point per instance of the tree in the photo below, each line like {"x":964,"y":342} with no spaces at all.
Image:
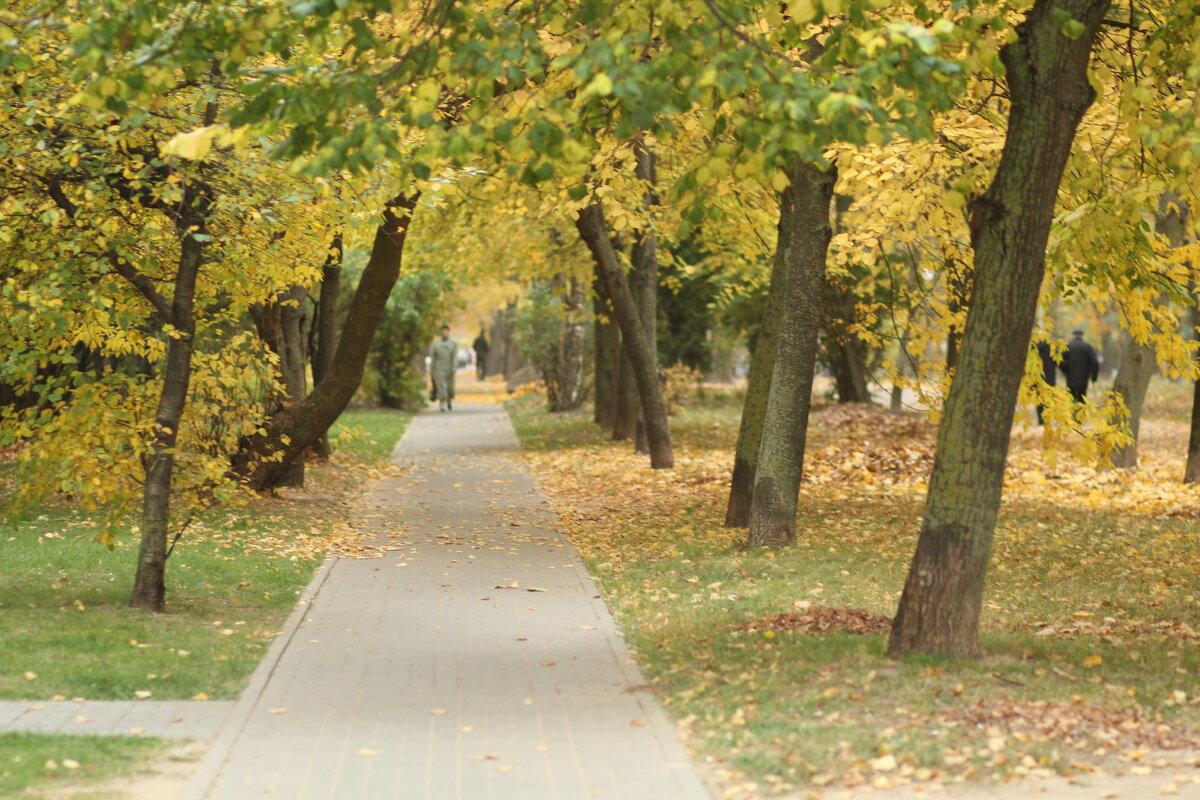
{"x":594,"y":232}
{"x":804,"y":234}
{"x":1046,"y":74}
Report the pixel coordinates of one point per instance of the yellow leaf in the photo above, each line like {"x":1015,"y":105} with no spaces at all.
{"x":195,"y":145}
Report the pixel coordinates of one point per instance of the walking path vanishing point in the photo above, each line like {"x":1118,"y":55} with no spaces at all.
{"x":475,"y":660}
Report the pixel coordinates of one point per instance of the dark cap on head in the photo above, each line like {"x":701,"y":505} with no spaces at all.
{"x":1077,"y":332}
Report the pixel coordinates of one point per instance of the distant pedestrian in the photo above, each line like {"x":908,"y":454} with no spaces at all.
{"x":481,"y":350}
{"x":1080,"y":365}
{"x":443,"y":360}
{"x":1049,"y":372}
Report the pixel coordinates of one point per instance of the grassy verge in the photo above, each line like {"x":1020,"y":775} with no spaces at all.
{"x":231,"y":581}
{"x":29,"y":761}
{"x":774,"y":661}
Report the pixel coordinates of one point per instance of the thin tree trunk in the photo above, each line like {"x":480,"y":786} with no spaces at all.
{"x":1133,"y":378}
{"x":758,"y":386}
{"x":1049,"y":89}
{"x":644,"y":276}
{"x":846,"y":354}
{"x":804,"y":209}
{"x":594,"y":231}
{"x":295,"y":428}
{"x":607,"y":347}
{"x":149,"y":583}
{"x":958,"y":287}
{"x":570,"y":359}
{"x":326,"y":325}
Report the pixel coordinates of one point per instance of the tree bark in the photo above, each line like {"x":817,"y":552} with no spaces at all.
{"x":1133,"y":378}
{"x":644,"y":276}
{"x":804,"y":209}
{"x":847,"y":357}
{"x":149,"y":583}
{"x":571,"y":349}
{"x":594,"y":231}
{"x":607,"y":354}
{"x":326,"y":325}
{"x":294,"y":429}
{"x":758,"y":386}
{"x":625,"y":421}
{"x":1010,"y":223}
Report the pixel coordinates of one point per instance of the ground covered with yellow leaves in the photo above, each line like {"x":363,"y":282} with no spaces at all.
{"x":774,"y":663}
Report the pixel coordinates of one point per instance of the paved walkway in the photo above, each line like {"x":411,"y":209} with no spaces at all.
{"x":475,"y":661}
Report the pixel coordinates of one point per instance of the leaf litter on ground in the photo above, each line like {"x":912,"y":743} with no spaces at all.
{"x":1088,"y":626}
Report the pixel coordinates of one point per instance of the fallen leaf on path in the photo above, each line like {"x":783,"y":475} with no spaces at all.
{"x":366,"y":751}
{"x":277,"y":711}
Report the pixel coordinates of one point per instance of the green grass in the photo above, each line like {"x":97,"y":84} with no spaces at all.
{"x":787,"y":708}
{"x":38,"y":761}
{"x":370,"y":433}
{"x":231,"y":581}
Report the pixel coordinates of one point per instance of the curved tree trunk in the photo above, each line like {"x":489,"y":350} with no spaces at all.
{"x":1133,"y":378}
{"x":264,"y":459}
{"x":1048,"y":84}
{"x":594,"y":232}
{"x":804,"y":208}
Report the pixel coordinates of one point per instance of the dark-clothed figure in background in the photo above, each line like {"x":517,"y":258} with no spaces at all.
{"x":443,"y":360}
{"x":481,"y":350}
{"x":1049,"y":371}
{"x":1080,"y":365}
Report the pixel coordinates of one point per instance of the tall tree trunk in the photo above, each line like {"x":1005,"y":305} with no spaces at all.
{"x":1133,"y":378}
{"x":804,"y":209}
{"x":607,"y":354}
{"x":758,"y":386}
{"x":594,"y":231}
{"x":149,"y":583}
{"x":847,"y":357}
{"x":280,"y":325}
{"x":1010,"y":223}
{"x":295,"y":428}
{"x":643,"y":278}
{"x":568,"y":358}
{"x":326,"y":325}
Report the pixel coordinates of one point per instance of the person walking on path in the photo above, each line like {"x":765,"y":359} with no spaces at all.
{"x":442,"y":363}
{"x":1049,"y":372}
{"x":481,"y":350}
{"x":1080,"y":365}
